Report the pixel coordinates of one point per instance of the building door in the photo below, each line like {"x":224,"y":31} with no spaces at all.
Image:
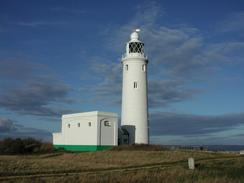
{"x":107,"y":132}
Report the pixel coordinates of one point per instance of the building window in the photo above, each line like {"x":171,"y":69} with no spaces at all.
{"x":78,"y":124}
{"x":135,"y":84}
{"x":89,"y":123}
{"x":144,"y":67}
{"x":68,"y":125}
{"x":107,"y":123}
{"x":126,"y":67}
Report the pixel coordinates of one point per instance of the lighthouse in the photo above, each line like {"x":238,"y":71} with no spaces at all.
{"x":134,"y":113}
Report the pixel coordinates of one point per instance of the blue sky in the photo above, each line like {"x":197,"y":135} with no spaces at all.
{"x":58,"y":57}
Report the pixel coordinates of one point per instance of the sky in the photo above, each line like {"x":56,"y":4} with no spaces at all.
{"x":59,"y":57}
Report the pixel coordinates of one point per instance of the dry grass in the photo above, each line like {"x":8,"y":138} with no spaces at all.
{"x":90,"y":160}
{"x":227,"y":170}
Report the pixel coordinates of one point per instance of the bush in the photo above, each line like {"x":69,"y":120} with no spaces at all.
{"x":24,"y":146}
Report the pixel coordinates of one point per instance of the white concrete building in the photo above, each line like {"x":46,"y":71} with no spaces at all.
{"x":88,"y":131}
{"x":134,"y":114}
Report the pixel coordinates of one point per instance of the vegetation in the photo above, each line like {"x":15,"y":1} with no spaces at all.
{"x":24,"y":146}
{"x":122,"y":164}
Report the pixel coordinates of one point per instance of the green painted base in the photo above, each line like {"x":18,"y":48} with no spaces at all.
{"x":82,"y":147}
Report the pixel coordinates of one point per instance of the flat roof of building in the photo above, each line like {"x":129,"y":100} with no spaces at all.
{"x":91,"y":113}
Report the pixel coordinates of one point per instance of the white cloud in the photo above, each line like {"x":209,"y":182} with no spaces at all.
{"x":233,"y":23}
{"x":6,"y":125}
{"x":177,"y":54}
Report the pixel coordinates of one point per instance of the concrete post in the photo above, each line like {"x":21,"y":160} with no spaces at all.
{"x":191,"y":163}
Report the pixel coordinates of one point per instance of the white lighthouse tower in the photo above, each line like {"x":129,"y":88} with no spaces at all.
{"x":134,"y":114}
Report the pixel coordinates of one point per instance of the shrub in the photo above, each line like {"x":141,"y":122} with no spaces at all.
{"x":24,"y":146}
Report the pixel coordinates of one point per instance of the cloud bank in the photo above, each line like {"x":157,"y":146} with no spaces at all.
{"x":29,"y":88}
{"x":192,"y":125}
{"x":9,"y":128}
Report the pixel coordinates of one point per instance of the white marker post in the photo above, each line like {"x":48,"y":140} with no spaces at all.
{"x":191,"y":163}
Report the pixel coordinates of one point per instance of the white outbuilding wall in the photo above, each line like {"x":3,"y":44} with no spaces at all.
{"x":87,"y":131}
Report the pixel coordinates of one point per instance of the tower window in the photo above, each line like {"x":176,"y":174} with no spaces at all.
{"x":126,"y":67}
{"x":68,"y":125}
{"x":78,"y":124}
{"x":89,"y":123}
{"x":136,"y":47}
{"x":135,"y":84}
{"x":144,"y":67}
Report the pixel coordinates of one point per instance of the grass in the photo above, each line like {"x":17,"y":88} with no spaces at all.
{"x":124,"y":165}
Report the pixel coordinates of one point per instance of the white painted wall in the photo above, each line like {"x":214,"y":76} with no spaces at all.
{"x":58,"y":138}
{"x":85,"y":134}
{"x":108,"y":128}
{"x":84,"y":129}
{"x":134,"y":100}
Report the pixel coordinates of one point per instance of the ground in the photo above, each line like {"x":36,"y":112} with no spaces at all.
{"x":123,"y":166}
